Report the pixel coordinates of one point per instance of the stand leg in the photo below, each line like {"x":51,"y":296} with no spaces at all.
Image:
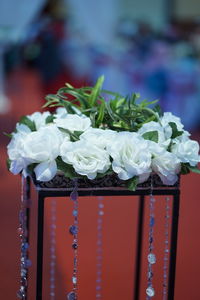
{"x":40,"y":247}
{"x":139,"y":247}
{"x":173,"y":252}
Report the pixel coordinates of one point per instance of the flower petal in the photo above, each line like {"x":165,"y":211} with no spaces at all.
{"x":45,"y":171}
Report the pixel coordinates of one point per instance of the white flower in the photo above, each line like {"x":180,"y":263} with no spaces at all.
{"x":86,"y":158}
{"x":155,"y":126}
{"x":166,"y":165}
{"x":42,"y":146}
{"x":73,"y":122}
{"x":99,"y":137}
{"x":187,"y":151}
{"x":131,"y":156}
{"x":166,"y":119}
{"x":39,"y":118}
{"x":15,"y":150}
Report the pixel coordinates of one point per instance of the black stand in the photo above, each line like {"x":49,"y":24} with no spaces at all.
{"x":109,"y":186}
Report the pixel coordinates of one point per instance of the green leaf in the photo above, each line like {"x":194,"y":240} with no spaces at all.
{"x":68,"y":106}
{"x":132,"y":183}
{"x":101,"y":113}
{"x":68,"y":170}
{"x":175,"y":131}
{"x":8,"y":134}
{"x":31,"y":168}
{"x":50,"y":119}
{"x":151,"y":136}
{"x":194,"y":169}
{"x":26,"y":121}
{"x":157,"y":109}
{"x":77,"y":133}
{"x":8,"y":163}
{"x":96,"y":91}
{"x":73,"y":136}
{"x":185,"y":169}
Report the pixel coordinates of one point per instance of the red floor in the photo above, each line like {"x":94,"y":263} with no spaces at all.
{"x":25,"y":92}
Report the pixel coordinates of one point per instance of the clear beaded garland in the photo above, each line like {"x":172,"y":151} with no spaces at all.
{"x":151,"y":258}
{"x":52,"y":250}
{"x":25,"y":262}
{"x":99,"y":248}
{"x":166,"y":249}
{"x":73,"y":230}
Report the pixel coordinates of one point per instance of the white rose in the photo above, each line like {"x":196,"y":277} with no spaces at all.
{"x":131,"y":156}
{"x":99,"y":137}
{"x":39,"y":118}
{"x":155,"y":126}
{"x":43,"y":147}
{"x":87,"y":159}
{"x":73,"y":122}
{"x":166,"y":119}
{"x":15,"y":151}
{"x":166,"y":165}
{"x":187,"y":151}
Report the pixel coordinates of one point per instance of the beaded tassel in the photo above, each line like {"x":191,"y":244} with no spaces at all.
{"x":166,"y":249}
{"x":52,"y":250}
{"x":74,"y":231}
{"x":150,"y":292}
{"x":25,"y":262}
{"x":99,"y":249}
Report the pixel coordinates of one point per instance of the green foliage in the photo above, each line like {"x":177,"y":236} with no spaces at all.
{"x":26,"y":121}
{"x":8,"y":163}
{"x":175,"y":131}
{"x":118,"y":113}
{"x":68,"y":170}
{"x":132,"y":183}
{"x":151,"y":136}
{"x":49,"y":119}
{"x":185,"y":169}
{"x":194,"y":169}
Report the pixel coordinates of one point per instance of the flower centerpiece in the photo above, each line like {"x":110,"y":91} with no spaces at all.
{"x":90,"y":136}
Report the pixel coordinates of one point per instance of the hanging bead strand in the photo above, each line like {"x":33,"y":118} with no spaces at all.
{"x":25,"y":262}
{"x":99,"y":248}
{"x":52,"y":249}
{"x":74,"y":231}
{"x":166,"y":249}
{"x":150,"y":291}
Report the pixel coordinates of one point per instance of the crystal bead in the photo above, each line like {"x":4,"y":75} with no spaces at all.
{"x":101,"y":205}
{"x":74,"y":195}
{"x":101,"y":213}
{"x":73,"y":229}
{"x":150,"y":291}
{"x":150,"y":275}
{"x":75,"y":246}
{"x":74,"y":280}
{"x":23,"y":272}
{"x":150,"y":239}
{"x":20,"y":294}
{"x":23,"y":281}
{"x":75,"y":212}
{"x":27,"y":263}
{"x":71,"y":296}
{"x":152,"y":221}
{"x":152,"y":258}
{"x":24,"y":246}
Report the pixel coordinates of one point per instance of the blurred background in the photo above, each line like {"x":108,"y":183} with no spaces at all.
{"x":152,"y":49}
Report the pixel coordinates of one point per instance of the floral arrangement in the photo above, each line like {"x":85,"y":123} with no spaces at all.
{"x":89,"y":136}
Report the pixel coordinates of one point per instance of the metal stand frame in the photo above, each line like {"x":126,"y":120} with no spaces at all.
{"x":46,"y":191}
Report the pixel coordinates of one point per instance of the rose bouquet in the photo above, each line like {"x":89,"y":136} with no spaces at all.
{"x":88,"y":136}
